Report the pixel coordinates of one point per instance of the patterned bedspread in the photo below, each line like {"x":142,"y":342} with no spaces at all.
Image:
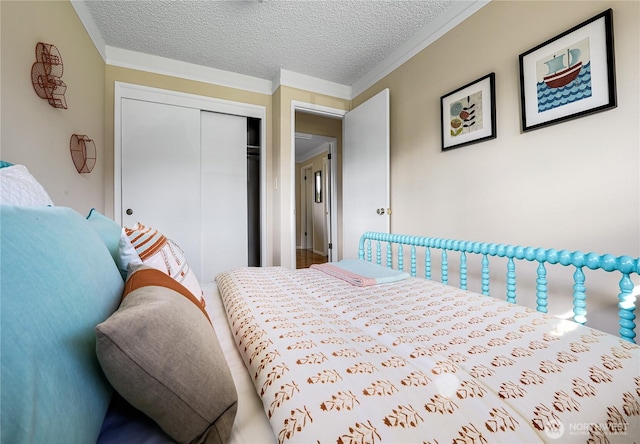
{"x":421,"y":362}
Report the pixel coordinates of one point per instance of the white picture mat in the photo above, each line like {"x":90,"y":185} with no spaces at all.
{"x":595,"y":32}
{"x":485,"y":87}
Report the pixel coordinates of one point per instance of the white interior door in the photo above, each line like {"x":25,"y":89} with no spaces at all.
{"x":365,"y":172}
{"x":161,"y":172}
{"x":224,"y":197}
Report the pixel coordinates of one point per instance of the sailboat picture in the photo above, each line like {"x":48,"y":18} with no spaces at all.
{"x":570,"y":75}
{"x":564,"y":76}
{"x":561,"y":75}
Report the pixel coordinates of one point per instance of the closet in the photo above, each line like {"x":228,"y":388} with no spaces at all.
{"x":253,"y":192}
{"x":194,"y":174}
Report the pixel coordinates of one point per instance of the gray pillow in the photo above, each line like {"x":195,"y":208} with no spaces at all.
{"x":160,"y":352}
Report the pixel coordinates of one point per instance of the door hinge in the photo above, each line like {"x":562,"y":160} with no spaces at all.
{"x":329,"y":156}
{"x":330,"y":246}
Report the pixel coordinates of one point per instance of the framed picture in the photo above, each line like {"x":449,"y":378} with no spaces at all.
{"x":570,"y":75}
{"x":318,"y":186}
{"x":468,"y":114}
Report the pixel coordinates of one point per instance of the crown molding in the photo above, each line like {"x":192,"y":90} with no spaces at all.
{"x":161,"y":65}
{"x":169,"y":67}
{"x":313,"y":84}
{"x":443,"y":24}
{"x":90,"y":26}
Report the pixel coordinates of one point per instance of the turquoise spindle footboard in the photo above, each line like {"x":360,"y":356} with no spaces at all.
{"x":626,"y":266}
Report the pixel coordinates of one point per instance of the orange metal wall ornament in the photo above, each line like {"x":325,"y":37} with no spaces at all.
{"x":46,"y":73}
{"x":83,"y":152}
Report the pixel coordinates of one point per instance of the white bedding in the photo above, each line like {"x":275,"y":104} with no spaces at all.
{"x":18,"y":187}
{"x":251,"y":425}
{"x":416,"y":361}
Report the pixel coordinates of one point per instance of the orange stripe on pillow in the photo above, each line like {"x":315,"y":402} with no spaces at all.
{"x":150,"y":250}
{"x":147,"y":241}
{"x":151,"y":277}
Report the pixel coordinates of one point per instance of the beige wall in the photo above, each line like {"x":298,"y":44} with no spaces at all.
{"x":573,"y":185}
{"x":275,"y":206}
{"x":33,"y":132}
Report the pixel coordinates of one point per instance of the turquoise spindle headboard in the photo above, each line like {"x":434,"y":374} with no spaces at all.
{"x":625,"y":265}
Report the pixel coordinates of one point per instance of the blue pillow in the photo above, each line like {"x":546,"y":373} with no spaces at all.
{"x":4,"y":164}
{"x":108,"y":230}
{"x":126,"y":424}
{"x":115,"y":240}
{"x":57,"y":282}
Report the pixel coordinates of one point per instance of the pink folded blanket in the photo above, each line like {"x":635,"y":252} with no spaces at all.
{"x":360,"y":273}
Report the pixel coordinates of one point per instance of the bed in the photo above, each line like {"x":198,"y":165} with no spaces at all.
{"x":354,"y":352}
{"x":383,"y":349}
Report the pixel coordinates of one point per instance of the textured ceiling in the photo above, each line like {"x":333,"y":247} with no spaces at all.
{"x":334,"y":40}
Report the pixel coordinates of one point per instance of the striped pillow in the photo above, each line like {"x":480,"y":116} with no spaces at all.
{"x":163,"y":254}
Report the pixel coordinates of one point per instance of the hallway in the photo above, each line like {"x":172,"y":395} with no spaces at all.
{"x":304,"y":258}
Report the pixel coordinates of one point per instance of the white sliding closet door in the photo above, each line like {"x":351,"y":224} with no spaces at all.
{"x":224,"y":193}
{"x":184,"y":172}
{"x":161,"y":172}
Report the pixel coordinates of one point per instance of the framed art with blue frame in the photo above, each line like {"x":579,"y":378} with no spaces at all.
{"x":468,"y":114}
{"x":569,"y":76}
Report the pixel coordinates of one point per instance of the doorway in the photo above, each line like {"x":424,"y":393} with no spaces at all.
{"x":315,"y":121}
{"x":312,"y":198}
{"x":365,"y":196}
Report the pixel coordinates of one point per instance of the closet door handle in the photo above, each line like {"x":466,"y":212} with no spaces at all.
{"x":129,"y":211}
